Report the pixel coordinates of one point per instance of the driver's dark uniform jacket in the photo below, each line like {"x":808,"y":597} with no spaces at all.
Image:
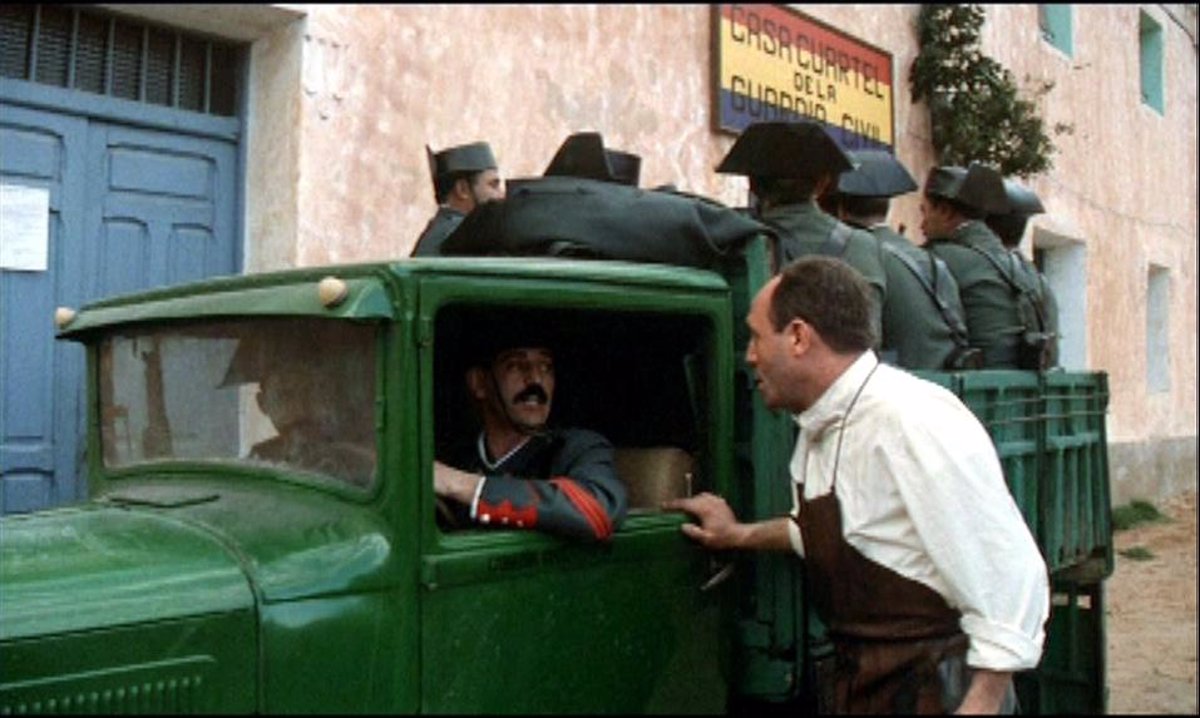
{"x":561,"y":481}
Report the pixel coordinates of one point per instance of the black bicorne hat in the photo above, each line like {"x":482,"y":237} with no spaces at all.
{"x":626,"y":167}
{"x":978,"y":186}
{"x":583,"y":155}
{"x":485,"y":334}
{"x":1021,"y":200}
{"x":785,"y":150}
{"x":878,"y":174}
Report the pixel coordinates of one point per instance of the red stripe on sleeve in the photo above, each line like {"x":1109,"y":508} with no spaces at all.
{"x":587,"y":505}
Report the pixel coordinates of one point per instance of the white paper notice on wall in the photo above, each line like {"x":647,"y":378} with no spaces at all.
{"x":24,"y":227}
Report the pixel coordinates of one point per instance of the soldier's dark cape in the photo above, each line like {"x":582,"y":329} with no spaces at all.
{"x":570,"y":216}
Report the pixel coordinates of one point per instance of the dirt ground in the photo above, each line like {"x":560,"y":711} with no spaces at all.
{"x":1151,"y":616}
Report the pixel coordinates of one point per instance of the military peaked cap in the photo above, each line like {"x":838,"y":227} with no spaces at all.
{"x":583,"y":155}
{"x":474,"y":157}
{"x":878,"y":174}
{"x":978,"y":186}
{"x":785,"y":150}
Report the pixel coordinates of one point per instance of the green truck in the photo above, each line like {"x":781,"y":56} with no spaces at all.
{"x":200,"y":577}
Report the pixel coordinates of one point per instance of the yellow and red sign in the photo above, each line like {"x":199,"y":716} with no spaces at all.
{"x":777,"y":64}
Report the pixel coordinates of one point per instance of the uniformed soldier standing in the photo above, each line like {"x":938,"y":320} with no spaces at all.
{"x":923,"y":325}
{"x":1010,"y":228}
{"x":463,"y":177}
{"x":790,"y":164}
{"x":953,"y":207}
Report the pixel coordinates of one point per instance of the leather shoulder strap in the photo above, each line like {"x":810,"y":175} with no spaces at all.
{"x":951,"y":317}
{"x":835,"y":244}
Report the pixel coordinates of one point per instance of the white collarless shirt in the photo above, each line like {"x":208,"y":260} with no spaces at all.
{"x":922,"y":492}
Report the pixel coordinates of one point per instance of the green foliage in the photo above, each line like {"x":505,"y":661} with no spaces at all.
{"x":1135,"y":513}
{"x":975,"y":108}
{"x":1137,"y":553}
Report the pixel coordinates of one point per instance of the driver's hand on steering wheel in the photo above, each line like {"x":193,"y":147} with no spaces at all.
{"x":451,"y":483}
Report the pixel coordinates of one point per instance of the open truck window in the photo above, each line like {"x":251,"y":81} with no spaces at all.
{"x":641,"y":379}
{"x":290,"y":394}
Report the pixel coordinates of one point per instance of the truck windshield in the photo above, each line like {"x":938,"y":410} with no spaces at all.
{"x":296,"y":394}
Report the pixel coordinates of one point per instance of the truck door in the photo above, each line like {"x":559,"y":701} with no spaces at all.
{"x":523,"y":621}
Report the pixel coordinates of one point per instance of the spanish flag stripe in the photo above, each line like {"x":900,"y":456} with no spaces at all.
{"x":777,"y":24}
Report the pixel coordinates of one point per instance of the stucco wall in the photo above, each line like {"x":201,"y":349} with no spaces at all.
{"x":1125,"y":184}
{"x":381,"y":82}
{"x":273,"y":142}
{"x":358,"y":91}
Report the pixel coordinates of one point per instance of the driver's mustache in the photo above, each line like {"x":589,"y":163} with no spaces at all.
{"x":532,"y":391}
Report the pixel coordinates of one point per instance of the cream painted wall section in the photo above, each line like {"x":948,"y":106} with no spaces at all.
{"x":381,"y":82}
{"x":273,"y":138}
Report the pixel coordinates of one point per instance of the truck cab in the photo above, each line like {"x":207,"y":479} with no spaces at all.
{"x":220,"y":566}
{"x":213,"y":569}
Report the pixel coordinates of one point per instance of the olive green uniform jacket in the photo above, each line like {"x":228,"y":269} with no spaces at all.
{"x":916,"y":333}
{"x":993,"y":320}
{"x":1049,"y":303}
{"x":804,"y":230}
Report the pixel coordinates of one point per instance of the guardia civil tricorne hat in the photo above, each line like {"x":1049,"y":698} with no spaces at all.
{"x":584,"y":155}
{"x":785,"y":150}
{"x":878,"y":174}
{"x":978,"y":186}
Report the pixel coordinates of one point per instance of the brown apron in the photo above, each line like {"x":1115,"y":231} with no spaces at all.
{"x":890,"y":633}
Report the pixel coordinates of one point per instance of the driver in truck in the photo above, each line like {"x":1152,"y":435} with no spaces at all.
{"x":518,"y":472}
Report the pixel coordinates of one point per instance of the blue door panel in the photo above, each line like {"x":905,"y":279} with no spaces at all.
{"x":29,"y":151}
{"x":168,"y":209}
{"x":191,"y":257}
{"x":130,"y":209}
{"x":152,"y":172}
{"x":43,"y":150}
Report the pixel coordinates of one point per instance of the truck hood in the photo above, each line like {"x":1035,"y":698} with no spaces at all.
{"x":97,"y":566}
{"x":294,"y":542}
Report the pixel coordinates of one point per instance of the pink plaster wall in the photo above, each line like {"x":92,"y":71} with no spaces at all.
{"x":382,"y":81}
{"x":1125,"y":184}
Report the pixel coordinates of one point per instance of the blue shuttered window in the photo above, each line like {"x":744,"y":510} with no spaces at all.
{"x":82,"y":49}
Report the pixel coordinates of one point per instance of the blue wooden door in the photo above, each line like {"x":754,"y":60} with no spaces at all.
{"x":47,"y":151}
{"x":131,"y":209}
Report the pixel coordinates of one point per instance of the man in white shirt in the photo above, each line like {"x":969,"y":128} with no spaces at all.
{"x":920,"y":559}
